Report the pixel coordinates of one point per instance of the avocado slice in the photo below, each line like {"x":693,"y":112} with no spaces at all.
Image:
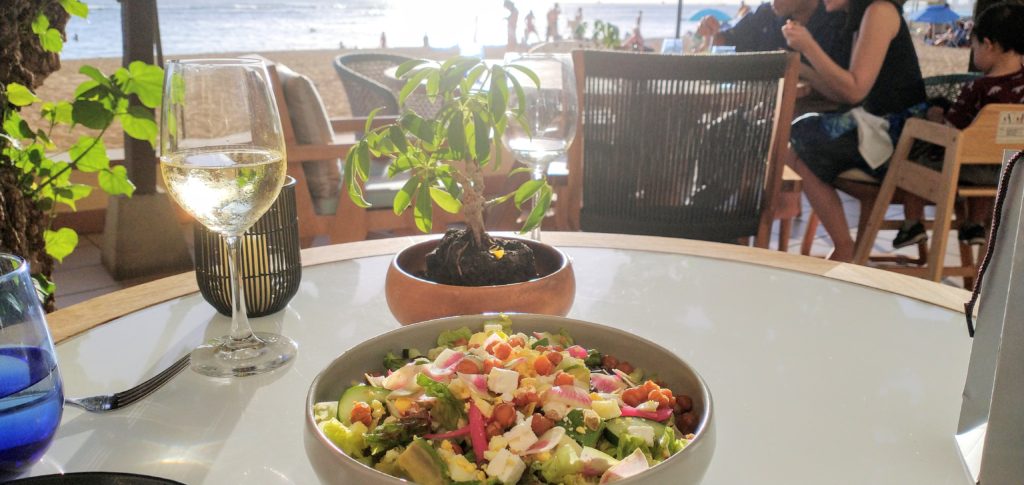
{"x":422,"y":464}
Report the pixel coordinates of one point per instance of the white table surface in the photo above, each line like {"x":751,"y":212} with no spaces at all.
{"x":814,"y":380}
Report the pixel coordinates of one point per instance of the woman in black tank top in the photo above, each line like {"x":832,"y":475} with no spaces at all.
{"x":882,"y":88}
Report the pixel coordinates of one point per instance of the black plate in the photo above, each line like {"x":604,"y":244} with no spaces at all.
{"x":96,"y":478}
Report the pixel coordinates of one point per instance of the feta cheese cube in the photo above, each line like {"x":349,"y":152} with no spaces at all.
{"x":644,"y":432}
{"x":506,"y":467}
{"x":503,"y":382}
{"x":520,"y":437}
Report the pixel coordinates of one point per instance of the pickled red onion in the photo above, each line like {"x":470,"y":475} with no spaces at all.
{"x":577,"y":352}
{"x":571,"y":395}
{"x":477,"y":433}
{"x":659,"y":415}
{"x":606,"y":383}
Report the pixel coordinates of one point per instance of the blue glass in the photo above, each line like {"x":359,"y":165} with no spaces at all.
{"x":31,"y":393}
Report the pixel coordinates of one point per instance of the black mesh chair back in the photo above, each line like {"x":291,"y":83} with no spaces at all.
{"x":682,"y":146}
{"x":369,"y":82}
{"x":948,"y":86}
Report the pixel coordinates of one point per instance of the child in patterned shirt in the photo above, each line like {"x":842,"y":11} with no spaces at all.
{"x":997,"y":44}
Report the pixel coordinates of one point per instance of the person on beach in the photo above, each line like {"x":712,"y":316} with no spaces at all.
{"x":997,"y":46}
{"x":883,"y":81}
{"x":513,"y":21}
{"x":383,"y":40}
{"x":576,"y":25}
{"x":762,"y":30}
{"x":552,"y":32}
{"x":531,"y":28}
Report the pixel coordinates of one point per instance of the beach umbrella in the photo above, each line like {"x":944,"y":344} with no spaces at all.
{"x":937,"y":14}
{"x":718,"y":14}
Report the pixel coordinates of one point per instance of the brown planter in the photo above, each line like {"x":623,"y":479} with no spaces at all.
{"x":412,"y":299}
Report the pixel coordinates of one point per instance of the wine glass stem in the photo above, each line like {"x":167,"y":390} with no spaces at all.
{"x":241,"y":331}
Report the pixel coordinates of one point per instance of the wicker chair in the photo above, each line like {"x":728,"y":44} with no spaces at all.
{"x":681,"y":146}
{"x":369,"y":85}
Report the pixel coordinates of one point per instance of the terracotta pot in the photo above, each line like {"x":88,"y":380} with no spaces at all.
{"x":412,"y":299}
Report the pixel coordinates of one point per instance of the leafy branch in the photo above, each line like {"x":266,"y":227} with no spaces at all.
{"x":445,"y":155}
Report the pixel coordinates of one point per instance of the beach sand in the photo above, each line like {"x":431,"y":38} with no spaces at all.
{"x":317,"y":64}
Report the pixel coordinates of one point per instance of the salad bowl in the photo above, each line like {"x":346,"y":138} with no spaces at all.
{"x":685,"y":466}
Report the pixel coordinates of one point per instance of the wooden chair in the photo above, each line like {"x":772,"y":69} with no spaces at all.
{"x":978,"y":144}
{"x":681,"y":146}
{"x":316,"y":146}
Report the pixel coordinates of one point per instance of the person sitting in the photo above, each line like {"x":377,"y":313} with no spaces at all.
{"x":762,"y":30}
{"x":884,"y":82}
{"x":997,"y":47}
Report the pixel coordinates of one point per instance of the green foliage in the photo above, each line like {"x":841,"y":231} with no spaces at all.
{"x":98,"y":103}
{"x":606,"y":35}
{"x":444,"y":154}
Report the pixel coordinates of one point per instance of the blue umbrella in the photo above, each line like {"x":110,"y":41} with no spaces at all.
{"x":718,"y":14}
{"x":937,"y":14}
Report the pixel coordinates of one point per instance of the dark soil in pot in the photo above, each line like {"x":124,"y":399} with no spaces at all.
{"x":458,"y":260}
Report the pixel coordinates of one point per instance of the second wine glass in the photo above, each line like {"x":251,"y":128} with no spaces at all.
{"x":222,"y":155}
{"x":550,"y":114}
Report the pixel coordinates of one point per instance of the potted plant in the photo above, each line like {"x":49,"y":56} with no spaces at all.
{"x":32,"y":184}
{"x":445,"y":157}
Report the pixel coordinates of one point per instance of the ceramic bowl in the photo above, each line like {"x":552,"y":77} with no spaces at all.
{"x":413,"y":299}
{"x":684,"y":468}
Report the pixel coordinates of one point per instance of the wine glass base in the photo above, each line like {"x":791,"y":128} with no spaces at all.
{"x":267,"y":352}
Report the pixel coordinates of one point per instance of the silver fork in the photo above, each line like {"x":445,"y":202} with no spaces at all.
{"x":110,"y":402}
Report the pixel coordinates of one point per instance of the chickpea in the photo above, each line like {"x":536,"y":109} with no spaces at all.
{"x":685,"y":403}
{"x":504,"y":414}
{"x":608,"y":362}
{"x":517,"y":342}
{"x":626,"y":367}
{"x":362,"y":413}
{"x":540,"y":424}
{"x":687,"y":422}
{"x":554,"y":357}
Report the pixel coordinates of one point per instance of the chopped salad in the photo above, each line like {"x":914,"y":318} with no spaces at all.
{"x":500,"y":407}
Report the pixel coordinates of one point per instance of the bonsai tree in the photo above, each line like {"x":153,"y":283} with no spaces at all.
{"x":32,"y":184}
{"x":446,"y":156}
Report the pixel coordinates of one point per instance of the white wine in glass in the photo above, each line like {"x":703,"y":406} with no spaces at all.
{"x":550,"y":114}
{"x":222,"y":158}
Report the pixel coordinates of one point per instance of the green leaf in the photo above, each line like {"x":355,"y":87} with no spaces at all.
{"x":408,"y":66}
{"x":89,"y":154}
{"x":525,"y":191}
{"x":44,"y":287}
{"x":481,"y":137}
{"x":61,"y":242}
{"x":529,"y":73}
{"x":146,"y":81}
{"x":90,"y":89}
{"x":355,"y":191}
{"x":138,"y":123}
{"x":403,"y":199}
{"x":363,"y":167}
{"x":17,"y":127}
{"x":397,"y":138}
{"x":423,"y":211}
{"x":498,"y":94}
{"x":19,"y":95}
{"x":369,"y":119}
{"x":418,"y":127}
{"x":114,"y":181}
{"x":95,"y":75}
{"x":445,"y":200}
{"x":62,"y":113}
{"x":91,"y":114}
{"x":457,"y":135}
{"x":71,"y":193}
{"x":41,"y":24}
{"x":520,"y":108}
{"x":51,"y":41}
{"x":539,"y":210}
{"x":414,"y":82}
{"x":75,"y":7}
{"x":519,"y":170}
{"x":447,"y":408}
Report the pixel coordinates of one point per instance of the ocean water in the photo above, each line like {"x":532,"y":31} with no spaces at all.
{"x":202,"y":26}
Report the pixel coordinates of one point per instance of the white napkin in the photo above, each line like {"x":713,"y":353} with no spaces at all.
{"x":873,"y":140}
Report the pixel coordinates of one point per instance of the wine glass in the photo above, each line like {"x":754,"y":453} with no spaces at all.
{"x":550,"y":115}
{"x":222,"y":156}
{"x":31,"y":393}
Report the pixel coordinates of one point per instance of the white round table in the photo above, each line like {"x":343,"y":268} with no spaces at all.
{"x":818,"y":376}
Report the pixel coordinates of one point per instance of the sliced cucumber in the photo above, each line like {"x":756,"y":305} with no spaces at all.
{"x":358,"y":393}
{"x":620,"y":426}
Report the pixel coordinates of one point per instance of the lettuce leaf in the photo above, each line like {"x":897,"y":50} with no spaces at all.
{"x":400,"y":433}
{"x":447,"y":409}
{"x":448,"y":337}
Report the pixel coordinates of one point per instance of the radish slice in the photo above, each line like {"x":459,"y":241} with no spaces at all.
{"x":439,"y":375}
{"x":577,"y":351}
{"x":475,"y":382}
{"x":451,"y":434}
{"x":633,"y":464}
{"x":448,"y":358}
{"x":571,"y":395}
{"x":477,"y":434}
{"x":547,"y":441}
{"x":606,"y":383}
{"x":659,"y":415}
{"x":514,"y":362}
{"x":375,"y":381}
{"x":625,"y":377}
{"x":402,"y":378}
